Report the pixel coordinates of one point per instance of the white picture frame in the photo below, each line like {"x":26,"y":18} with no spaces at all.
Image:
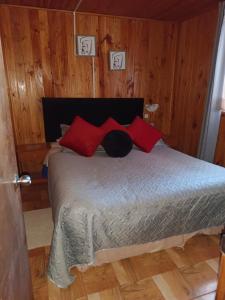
{"x":117,"y":60}
{"x":86,"y":45}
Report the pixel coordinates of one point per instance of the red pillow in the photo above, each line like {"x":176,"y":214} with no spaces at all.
{"x":143,"y":134}
{"x":110,"y":125}
{"x":82,"y":137}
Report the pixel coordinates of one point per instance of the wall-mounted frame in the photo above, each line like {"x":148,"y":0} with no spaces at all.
{"x":117,"y":60}
{"x":86,"y":45}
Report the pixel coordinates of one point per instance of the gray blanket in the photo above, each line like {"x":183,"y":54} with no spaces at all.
{"x":102,"y":202}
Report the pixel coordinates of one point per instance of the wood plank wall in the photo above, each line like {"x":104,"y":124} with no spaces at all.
{"x":194,"y":56}
{"x":167,"y":63}
{"x":39,"y":57}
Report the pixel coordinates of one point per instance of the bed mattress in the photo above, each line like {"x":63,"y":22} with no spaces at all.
{"x":102,"y":202}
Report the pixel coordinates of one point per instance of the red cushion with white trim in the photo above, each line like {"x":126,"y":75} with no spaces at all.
{"x":143,"y":134}
{"x":82,"y":137}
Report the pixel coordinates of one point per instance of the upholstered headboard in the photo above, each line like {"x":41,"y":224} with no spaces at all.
{"x":96,"y":111}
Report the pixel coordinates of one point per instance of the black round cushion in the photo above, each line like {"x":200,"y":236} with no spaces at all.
{"x":117,"y":143}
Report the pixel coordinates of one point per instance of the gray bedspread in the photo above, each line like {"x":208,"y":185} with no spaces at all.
{"x":102,"y":202}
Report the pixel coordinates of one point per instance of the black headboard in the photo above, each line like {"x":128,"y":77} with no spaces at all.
{"x":96,"y":111}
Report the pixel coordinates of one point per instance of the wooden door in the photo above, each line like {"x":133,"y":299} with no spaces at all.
{"x":220,"y":293}
{"x":15,"y":282}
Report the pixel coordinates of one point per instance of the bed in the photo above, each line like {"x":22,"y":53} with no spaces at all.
{"x":127,"y":206}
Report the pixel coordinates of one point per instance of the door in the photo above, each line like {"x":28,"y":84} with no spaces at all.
{"x":220,"y":292}
{"x":15,"y":281}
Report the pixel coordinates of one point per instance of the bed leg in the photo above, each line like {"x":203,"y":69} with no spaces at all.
{"x":220,"y":292}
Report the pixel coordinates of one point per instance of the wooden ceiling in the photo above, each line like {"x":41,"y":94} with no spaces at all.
{"x":69,"y":5}
{"x":153,"y":9}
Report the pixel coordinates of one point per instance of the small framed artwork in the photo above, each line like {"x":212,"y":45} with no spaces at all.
{"x":86,"y":45}
{"x":117,"y":60}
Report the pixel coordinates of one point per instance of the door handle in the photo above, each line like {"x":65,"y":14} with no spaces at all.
{"x":23,"y":179}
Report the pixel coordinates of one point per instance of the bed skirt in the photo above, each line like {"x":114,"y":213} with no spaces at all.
{"x":115,"y":254}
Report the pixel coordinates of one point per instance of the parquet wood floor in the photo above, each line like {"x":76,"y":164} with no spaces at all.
{"x":173,"y":274}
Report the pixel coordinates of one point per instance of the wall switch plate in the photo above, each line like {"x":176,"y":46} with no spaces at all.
{"x":145,"y":116}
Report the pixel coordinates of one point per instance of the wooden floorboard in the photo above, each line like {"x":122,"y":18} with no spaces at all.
{"x":174,"y":274}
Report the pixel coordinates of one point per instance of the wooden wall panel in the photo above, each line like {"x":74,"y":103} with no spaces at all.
{"x":194,"y":57}
{"x":151,"y":49}
{"x":39,"y":57}
{"x":220,"y":148}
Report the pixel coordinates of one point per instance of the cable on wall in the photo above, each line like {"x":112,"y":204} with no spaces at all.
{"x":93,"y":58}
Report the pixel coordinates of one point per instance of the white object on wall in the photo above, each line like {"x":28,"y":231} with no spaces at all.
{"x":86,"y":45}
{"x":117,"y":60}
{"x":152,"y":107}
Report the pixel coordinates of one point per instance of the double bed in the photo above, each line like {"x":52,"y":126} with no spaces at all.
{"x":110,"y":208}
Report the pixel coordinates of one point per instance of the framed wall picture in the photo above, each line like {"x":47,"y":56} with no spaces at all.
{"x":117,"y":60}
{"x":86,"y":45}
